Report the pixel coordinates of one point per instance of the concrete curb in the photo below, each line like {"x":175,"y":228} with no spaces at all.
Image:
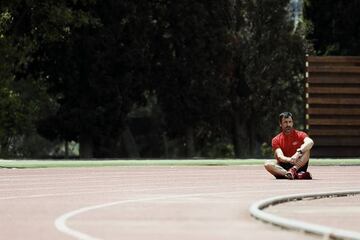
{"x":324,"y":231}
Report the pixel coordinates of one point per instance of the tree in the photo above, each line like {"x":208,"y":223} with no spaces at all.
{"x":190,"y":52}
{"x":78,"y":68}
{"x":73,"y":49}
{"x":22,"y":97}
{"x":335,"y":26}
{"x":98,"y":74}
{"x":268,"y":65}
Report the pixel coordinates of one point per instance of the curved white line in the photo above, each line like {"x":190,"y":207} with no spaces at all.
{"x":60,"y":222}
{"x":327,"y":232}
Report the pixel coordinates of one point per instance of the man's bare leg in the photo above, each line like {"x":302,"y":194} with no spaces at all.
{"x":292,"y":173}
{"x":303,"y":160}
{"x":275,"y":169}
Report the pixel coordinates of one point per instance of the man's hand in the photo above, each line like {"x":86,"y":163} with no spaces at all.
{"x":295,"y":157}
{"x":281,"y":158}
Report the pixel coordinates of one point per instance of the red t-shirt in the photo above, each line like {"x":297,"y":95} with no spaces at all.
{"x":288,"y":143}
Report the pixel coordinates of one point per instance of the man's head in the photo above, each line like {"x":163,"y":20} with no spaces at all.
{"x":286,"y":122}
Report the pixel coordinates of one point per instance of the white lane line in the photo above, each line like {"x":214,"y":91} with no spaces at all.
{"x":90,"y":185}
{"x":287,"y":223}
{"x":99,"y":191}
{"x":96,"y":172}
{"x":61,"y":225}
{"x":118,"y":176}
{"x":27,"y":183}
{"x":25,"y":175}
{"x":64,"y":194}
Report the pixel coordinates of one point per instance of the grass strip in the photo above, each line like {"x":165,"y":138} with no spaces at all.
{"x":164,"y":162}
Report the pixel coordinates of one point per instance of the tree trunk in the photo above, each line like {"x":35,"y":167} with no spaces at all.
{"x":190,"y":145}
{"x":240,"y":136}
{"x":130,"y":145}
{"x":3,"y":150}
{"x":86,"y":146}
{"x":237,"y":135}
{"x":166,"y":145}
{"x":66,"y":150}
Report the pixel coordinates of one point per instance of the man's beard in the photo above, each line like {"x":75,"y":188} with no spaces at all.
{"x":287,"y":129}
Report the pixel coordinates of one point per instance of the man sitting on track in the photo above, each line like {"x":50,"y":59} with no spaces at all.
{"x":292,"y":151}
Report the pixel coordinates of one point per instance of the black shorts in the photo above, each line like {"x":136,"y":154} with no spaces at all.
{"x":287,"y":166}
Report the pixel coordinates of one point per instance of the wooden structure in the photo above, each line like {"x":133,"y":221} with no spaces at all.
{"x":333,"y":105}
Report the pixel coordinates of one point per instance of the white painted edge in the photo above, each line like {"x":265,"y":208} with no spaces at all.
{"x":324,"y":231}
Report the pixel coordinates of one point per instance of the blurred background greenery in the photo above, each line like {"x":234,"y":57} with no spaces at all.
{"x":159,"y":79}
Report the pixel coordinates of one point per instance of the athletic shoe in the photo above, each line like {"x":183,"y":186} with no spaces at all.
{"x":291,"y":173}
{"x":304,"y":175}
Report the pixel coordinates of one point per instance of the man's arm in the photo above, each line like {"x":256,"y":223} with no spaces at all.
{"x":306,"y":146}
{"x":279,"y":155}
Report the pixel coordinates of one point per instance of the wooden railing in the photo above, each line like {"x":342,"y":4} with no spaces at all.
{"x":333,"y":105}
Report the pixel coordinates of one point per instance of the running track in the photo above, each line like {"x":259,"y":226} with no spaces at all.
{"x":165,"y":202}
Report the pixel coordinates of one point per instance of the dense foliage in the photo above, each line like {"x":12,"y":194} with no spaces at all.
{"x":147,"y":78}
{"x":335,"y":26}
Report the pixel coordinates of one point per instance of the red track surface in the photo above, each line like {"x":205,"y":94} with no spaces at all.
{"x":166,"y":202}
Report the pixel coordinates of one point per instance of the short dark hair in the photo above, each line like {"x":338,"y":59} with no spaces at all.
{"x":284,"y":115}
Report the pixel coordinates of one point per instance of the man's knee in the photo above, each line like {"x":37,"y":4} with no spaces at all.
{"x":269,"y":164}
{"x":274,"y":168}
